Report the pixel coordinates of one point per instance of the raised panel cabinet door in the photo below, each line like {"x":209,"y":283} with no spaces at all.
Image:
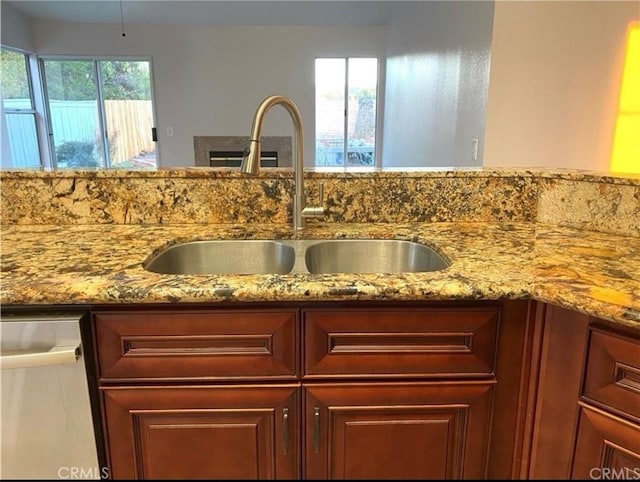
{"x":397,"y":430}
{"x":612,"y":378}
{"x":243,"y":432}
{"x":206,"y":345}
{"x":607,"y":447}
{"x":400,"y":342}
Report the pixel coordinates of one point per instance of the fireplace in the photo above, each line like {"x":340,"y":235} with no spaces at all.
{"x":234,"y":158}
{"x":226,"y":151}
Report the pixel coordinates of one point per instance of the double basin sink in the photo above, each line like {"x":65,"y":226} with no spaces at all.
{"x":296,"y":256}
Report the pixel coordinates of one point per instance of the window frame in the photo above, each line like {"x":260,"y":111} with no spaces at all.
{"x":95,"y":59}
{"x":30,"y":65}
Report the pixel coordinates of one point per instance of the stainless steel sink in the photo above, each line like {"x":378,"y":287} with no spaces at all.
{"x":243,"y":256}
{"x":372,"y":256}
{"x":225,"y":257}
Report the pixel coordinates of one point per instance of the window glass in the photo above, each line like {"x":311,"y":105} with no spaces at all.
{"x":330,"y":100}
{"x":20,"y":149}
{"x":346,"y":91}
{"x":16,"y":93}
{"x":128,"y":113}
{"x":101,"y":113}
{"x":361,"y":134}
{"x":72,"y":95}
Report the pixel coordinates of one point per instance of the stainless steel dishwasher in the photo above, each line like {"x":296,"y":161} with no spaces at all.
{"x":47,"y":429}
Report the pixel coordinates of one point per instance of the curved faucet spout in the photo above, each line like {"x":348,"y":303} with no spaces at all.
{"x":251,"y":160}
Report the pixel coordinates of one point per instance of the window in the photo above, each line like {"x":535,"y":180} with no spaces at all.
{"x":100,"y":113}
{"x":346,"y":92}
{"x":20,"y":148}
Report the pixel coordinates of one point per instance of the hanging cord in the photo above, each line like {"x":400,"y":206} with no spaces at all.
{"x":122,"y":19}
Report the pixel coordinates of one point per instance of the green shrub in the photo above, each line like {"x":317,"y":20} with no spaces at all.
{"x":76,"y":154}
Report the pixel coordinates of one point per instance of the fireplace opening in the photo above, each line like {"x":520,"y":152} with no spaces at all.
{"x":234,"y":158}
{"x":226,"y":151}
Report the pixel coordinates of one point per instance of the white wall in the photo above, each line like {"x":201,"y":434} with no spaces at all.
{"x":555,"y":80}
{"x":210,"y":79}
{"x":15,"y":28}
{"x":436,"y":84}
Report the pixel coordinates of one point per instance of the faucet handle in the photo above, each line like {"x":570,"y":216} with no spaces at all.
{"x":316,"y":211}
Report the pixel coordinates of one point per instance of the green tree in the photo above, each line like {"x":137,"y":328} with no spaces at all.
{"x":15,"y":83}
{"x":126,"y":80}
{"x":70,"y":79}
{"x":76,"y":79}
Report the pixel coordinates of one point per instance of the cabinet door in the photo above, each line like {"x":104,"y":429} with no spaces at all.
{"x":202,"y":432}
{"x":400,"y":342}
{"x":608,"y":447}
{"x":205,"y":345}
{"x":612,"y":374}
{"x":397,"y":431}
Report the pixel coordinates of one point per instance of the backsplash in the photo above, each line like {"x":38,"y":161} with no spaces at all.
{"x":143,"y":200}
{"x":221,"y":196}
{"x":430,"y":198}
{"x":607,"y":205}
{"x":225,"y":196}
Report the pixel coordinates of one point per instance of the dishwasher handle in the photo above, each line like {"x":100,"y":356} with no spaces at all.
{"x":57,"y":355}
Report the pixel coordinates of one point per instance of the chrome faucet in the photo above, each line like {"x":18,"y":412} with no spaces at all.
{"x":251,"y":159}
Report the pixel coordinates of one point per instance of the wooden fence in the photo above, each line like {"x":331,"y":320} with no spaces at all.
{"x":129,"y":124}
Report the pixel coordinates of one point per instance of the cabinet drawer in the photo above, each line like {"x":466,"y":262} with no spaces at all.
{"x":203,"y":345}
{"x":400,"y":343}
{"x":612,"y":373}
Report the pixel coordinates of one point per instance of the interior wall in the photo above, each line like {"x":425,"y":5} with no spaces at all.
{"x":437,"y":79}
{"x":552,"y":94}
{"x":555,"y":78}
{"x":210,"y":79}
{"x":15,"y":29}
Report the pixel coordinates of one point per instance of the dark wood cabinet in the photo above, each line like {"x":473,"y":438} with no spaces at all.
{"x":401,"y":342}
{"x":203,"y":432}
{"x":607,"y":446}
{"x":203,"y":345}
{"x":608,"y":436}
{"x":397,"y":430}
{"x":169,"y":410}
{"x":585,"y":415}
{"x":318,"y":390}
{"x":612,"y":372}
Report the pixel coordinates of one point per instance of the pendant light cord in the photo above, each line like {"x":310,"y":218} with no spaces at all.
{"x":122,"y":19}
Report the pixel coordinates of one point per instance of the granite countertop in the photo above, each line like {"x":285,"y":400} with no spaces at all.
{"x":595,"y":273}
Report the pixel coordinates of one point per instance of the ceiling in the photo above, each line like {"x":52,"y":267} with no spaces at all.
{"x":214,"y":12}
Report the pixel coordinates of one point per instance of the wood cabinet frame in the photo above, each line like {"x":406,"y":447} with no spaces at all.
{"x":470,"y":387}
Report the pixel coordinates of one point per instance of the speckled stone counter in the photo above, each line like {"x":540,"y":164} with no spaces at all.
{"x":103,"y":264}
{"x":586,"y":271}
{"x":595,"y":273}
{"x":564,"y":237}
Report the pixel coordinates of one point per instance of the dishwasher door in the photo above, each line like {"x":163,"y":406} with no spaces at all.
{"x":46,"y":426}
